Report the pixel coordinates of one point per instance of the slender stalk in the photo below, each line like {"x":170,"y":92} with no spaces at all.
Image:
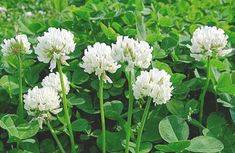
{"x":102,"y":115}
{"x":130,"y":111}
{"x":65,"y":105}
{"x":20,"y":106}
{"x":203,"y":93}
{"x":143,"y":120}
{"x":55,"y":137}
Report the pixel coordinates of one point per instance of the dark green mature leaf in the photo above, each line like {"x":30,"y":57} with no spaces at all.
{"x":76,"y":100}
{"x":215,"y":123}
{"x":173,"y":129}
{"x":225,"y":84}
{"x":205,"y":144}
{"x":79,"y":76}
{"x":113,"y":109}
{"x":176,"y":107}
{"x":80,"y":125}
{"x":174,"y":146}
{"x":113,"y":141}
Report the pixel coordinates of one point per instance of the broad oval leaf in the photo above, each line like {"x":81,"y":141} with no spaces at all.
{"x":205,"y":144}
{"x":173,"y":129}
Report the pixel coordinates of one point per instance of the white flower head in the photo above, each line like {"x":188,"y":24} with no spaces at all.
{"x":207,"y":42}
{"x":54,"y":45}
{"x":17,"y":45}
{"x":42,"y":103}
{"x":155,"y":83}
{"x":98,"y":58}
{"x":28,"y":14}
{"x":53,"y":81}
{"x":41,"y":12}
{"x":3,"y":9}
{"x":134,"y":52}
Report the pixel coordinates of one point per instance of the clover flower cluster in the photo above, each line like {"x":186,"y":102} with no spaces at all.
{"x":98,"y":59}
{"x":15,"y":46}
{"x":207,"y":42}
{"x":134,"y":52}
{"x":3,"y":9}
{"x":155,"y":84}
{"x":54,"y":45}
{"x":53,"y":80}
{"x":43,"y":103}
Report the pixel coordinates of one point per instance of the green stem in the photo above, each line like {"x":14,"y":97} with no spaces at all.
{"x":102,"y":115}
{"x":143,"y":120}
{"x":130,"y":111}
{"x":55,"y":137}
{"x":65,"y":105}
{"x":20,"y":107}
{"x":202,"y":96}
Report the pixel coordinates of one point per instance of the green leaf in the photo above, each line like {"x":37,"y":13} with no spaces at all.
{"x":113,"y":141}
{"x":8,"y":124}
{"x":145,"y":147}
{"x":165,"y":21}
{"x":173,"y":129}
{"x":119,"y":83}
{"x":75,"y":100}
{"x":80,"y":125}
{"x":162,"y":66}
{"x":215,"y":123}
{"x":23,"y":131}
{"x":113,"y":109}
{"x":176,"y":107}
{"x":225,"y":84}
{"x":205,"y":144}
{"x":47,"y":145}
{"x":28,"y":130}
{"x":174,"y":146}
{"x":10,"y":84}
{"x":108,"y":31}
{"x":59,"y":5}
{"x":79,"y":76}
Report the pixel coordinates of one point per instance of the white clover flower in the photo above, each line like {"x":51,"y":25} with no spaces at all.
{"x":134,"y":52}
{"x":42,"y":103}
{"x":155,"y":83}
{"x":207,"y":42}
{"x":17,"y":45}
{"x":3,"y":9}
{"x":28,"y":14}
{"x":54,"y":45}
{"x":41,"y":12}
{"x":98,"y":59}
{"x":53,"y":81}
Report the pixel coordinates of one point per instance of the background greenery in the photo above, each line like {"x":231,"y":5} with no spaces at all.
{"x":167,"y":25}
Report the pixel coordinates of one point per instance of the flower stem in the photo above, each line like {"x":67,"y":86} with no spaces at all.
{"x":20,"y":107}
{"x":143,"y":120}
{"x":65,"y":105}
{"x":130,"y":110}
{"x":203,"y":93}
{"x":55,"y":137}
{"x":102,"y":115}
